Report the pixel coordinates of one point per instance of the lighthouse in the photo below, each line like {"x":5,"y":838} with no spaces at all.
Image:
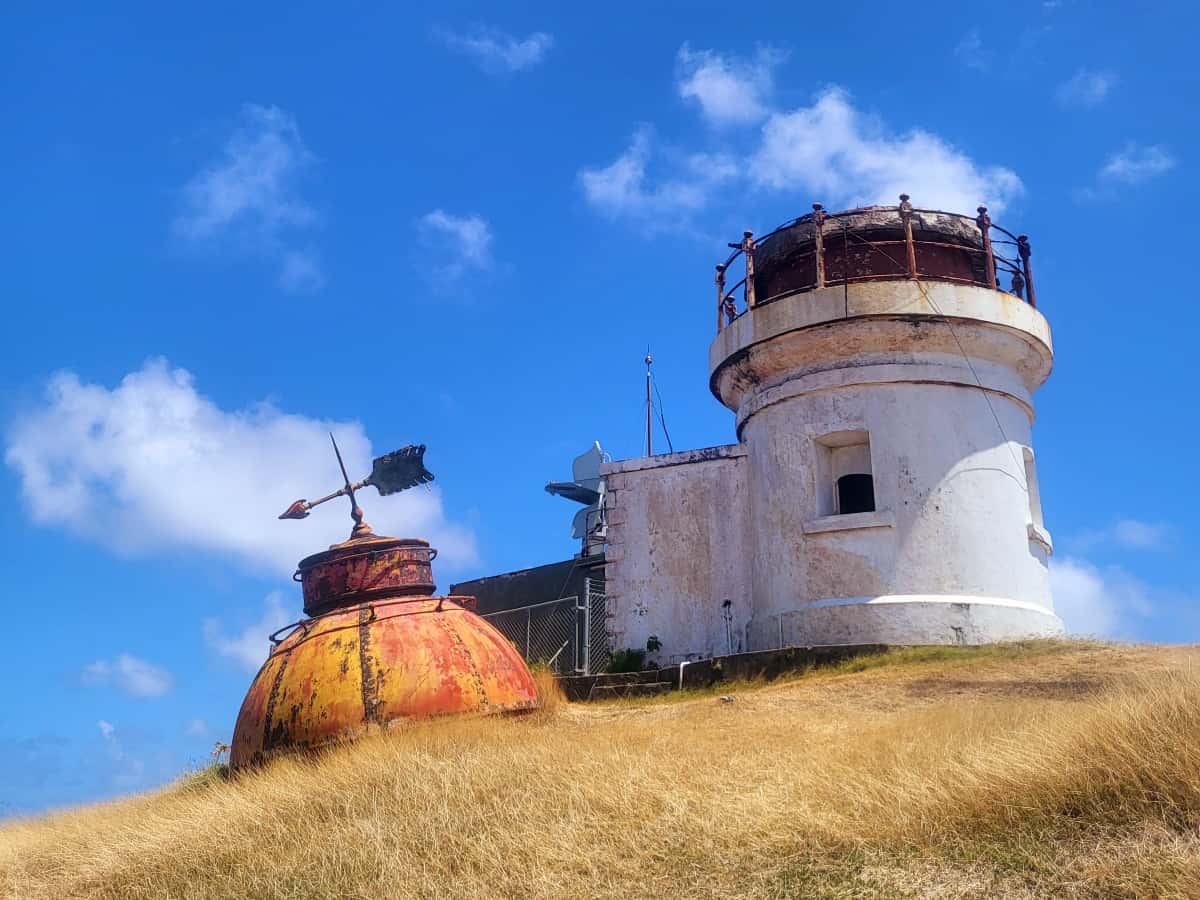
{"x":880,"y":366}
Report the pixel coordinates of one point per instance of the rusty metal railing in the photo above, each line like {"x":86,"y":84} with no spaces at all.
{"x":999,"y":254}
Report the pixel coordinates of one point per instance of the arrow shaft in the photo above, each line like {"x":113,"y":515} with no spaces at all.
{"x":341,"y":492}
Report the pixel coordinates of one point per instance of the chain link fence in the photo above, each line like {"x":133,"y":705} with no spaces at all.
{"x":568,"y":635}
{"x":594,"y":628}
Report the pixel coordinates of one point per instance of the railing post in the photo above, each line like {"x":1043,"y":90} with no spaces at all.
{"x":1024,"y":250}
{"x":720,"y":298}
{"x":1018,"y":285}
{"x":748,"y":250}
{"x":906,"y":209}
{"x":819,"y":237}
{"x":985,"y":228}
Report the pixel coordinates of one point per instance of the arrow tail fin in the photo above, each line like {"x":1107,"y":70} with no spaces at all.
{"x":400,"y":470}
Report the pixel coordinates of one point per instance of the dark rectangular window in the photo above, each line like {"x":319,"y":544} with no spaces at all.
{"x":856,"y":494}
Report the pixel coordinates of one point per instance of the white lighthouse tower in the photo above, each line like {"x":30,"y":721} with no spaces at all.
{"x":881,"y":365}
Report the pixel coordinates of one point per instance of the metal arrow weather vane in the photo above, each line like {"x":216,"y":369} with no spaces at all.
{"x":390,"y":474}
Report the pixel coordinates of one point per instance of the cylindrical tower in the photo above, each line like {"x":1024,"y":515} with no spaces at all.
{"x":883,"y":379}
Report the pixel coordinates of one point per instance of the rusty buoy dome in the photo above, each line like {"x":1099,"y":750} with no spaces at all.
{"x":378,"y":650}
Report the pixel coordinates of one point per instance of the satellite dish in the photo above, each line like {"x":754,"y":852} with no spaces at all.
{"x":586,"y":468}
{"x":586,"y":485}
{"x":579,"y":524}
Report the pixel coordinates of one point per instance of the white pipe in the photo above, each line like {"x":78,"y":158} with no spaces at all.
{"x":681,"y":665}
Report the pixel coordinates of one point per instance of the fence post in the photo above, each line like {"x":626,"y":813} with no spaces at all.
{"x":748,"y":249}
{"x":720,"y":298}
{"x":587,"y":626}
{"x":985,"y":226}
{"x":781,"y":631}
{"x":528,"y":617}
{"x":819,"y":238}
{"x":911,"y":251}
{"x":1024,"y":250}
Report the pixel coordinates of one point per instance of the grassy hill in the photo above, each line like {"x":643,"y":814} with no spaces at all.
{"x":1046,"y":769}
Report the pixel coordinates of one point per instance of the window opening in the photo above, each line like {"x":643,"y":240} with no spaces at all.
{"x":845,"y":481}
{"x":856,"y":494}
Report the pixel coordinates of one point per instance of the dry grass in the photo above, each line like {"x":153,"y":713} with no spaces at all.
{"x":551,"y":698}
{"x":1027,"y":771}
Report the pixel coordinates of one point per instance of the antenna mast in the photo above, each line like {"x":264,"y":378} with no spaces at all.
{"x":649,"y":408}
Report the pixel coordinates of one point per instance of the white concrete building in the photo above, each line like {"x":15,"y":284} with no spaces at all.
{"x":883,"y":487}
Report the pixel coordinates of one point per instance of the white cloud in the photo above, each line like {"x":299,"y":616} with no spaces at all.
{"x":153,"y":465}
{"x":623,"y":189}
{"x":729,"y":91}
{"x":248,"y":648}
{"x":840,"y":155}
{"x":971,"y":53}
{"x":1096,"y":602}
{"x":126,"y":771}
{"x":496,"y":51}
{"x":300,"y":272}
{"x":1134,"y":164}
{"x":1137,"y":163}
{"x":456,"y":244}
{"x":1141,"y":535}
{"x":830,"y":150}
{"x":197,"y":728}
{"x":248,"y":199}
{"x":1130,"y":534}
{"x":1086,"y":88}
{"x":129,"y":674}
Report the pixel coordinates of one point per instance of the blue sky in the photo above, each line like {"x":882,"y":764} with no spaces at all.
{"x":229,"y":230}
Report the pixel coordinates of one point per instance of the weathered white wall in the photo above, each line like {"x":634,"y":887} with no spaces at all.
{"x":679,"y":540}
{"x":954,"y":553}
{"x":952,"y":518}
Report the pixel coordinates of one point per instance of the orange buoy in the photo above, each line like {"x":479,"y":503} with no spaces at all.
{"x":378,"y":650}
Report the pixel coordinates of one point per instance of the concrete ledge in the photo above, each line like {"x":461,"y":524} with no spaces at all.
{"x":761,"y":664}
{"x":880,"y":324}
{"x":585,"y":687}
{"x":911,"y":619}
{"x":884,"y":298}
{"x":767,"y":664}
{"x":1039,"y":535}
{"x":880,"y":518}
{"x":682,"y":458}
{"x":623,"y":691}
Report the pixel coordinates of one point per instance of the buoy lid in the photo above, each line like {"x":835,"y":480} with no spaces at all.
{"x":365,"y":567}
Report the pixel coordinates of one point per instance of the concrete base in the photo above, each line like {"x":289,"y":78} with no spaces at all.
{"x":907,"y":619}
{"x":764,"y":665}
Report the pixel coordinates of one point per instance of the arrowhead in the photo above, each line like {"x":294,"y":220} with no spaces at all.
{"x":298,"y":510}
